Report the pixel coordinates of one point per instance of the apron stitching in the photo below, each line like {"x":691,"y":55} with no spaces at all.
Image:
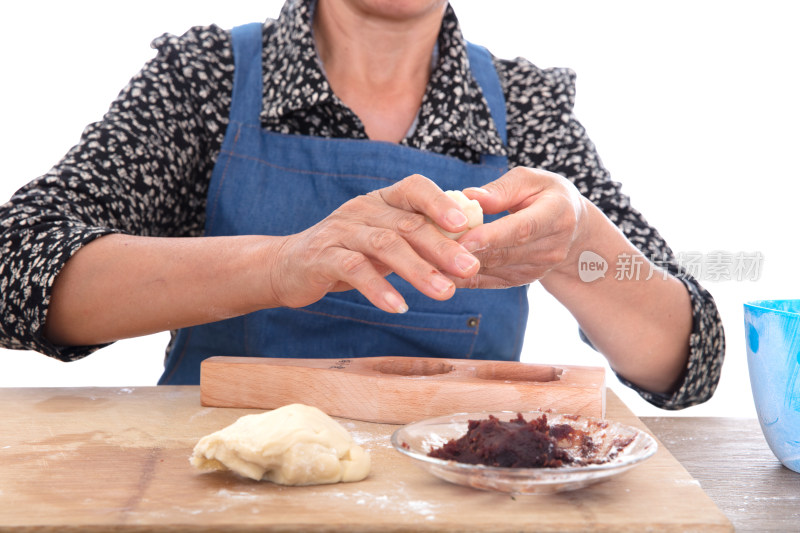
{"x":213,"y":212}
{"x":503,"y":168}
{"x":301,"y":171}
{"x":321,"y":173}
{"x":372,"y":323}
{"x":311,"y":172}
{"x":264,"y":162}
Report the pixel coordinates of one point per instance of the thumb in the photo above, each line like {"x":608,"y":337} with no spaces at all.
{"x":514,"y":190}
{"x":489,"y":196}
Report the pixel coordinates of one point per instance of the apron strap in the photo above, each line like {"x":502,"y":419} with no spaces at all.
{"x":482,"y":68}
{"x":248,"y":80}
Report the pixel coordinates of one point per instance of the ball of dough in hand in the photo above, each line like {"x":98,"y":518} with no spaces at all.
{"x":293,"y":445}
{"x":471,"y":208}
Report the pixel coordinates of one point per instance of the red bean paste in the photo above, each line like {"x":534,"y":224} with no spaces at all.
{"x":516,"y":444}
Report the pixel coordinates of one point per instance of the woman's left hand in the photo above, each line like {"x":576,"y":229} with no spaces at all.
{"x":547,"y":218}
{"x":642,"y":326}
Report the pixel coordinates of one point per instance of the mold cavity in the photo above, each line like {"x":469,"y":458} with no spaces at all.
{"x":413,"y":367}
{"x":501,"y":372}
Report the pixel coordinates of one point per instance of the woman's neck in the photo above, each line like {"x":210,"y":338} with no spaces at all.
{"x":377,"y":58}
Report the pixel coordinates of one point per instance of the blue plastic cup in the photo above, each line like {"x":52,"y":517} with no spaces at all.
{"x":772,"y":332}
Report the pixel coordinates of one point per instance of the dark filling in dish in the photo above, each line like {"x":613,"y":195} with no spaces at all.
{"x":518,"y":444}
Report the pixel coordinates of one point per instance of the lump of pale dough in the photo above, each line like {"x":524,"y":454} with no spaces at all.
{"x":471,"y":208}
{"x":293,"y":445}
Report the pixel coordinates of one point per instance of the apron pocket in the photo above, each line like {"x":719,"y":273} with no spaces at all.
{"x":339,"y":328}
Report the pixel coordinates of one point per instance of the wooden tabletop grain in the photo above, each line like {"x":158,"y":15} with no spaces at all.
{"x":736,"y":468}
{"x":116,"y":459}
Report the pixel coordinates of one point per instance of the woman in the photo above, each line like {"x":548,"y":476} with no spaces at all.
{"x":306,"y":157}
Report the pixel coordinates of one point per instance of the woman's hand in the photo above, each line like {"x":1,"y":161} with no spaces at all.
{"x":170,"y":283}
{"x":368,"y":237}
{"x":547,"y":217}
{"x":642,"y":326}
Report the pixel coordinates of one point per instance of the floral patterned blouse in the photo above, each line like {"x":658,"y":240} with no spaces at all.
{"x":144,"y":169}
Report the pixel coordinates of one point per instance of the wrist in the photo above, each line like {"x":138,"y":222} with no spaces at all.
{"x":593,"y":234}
{"x":265,"y":270}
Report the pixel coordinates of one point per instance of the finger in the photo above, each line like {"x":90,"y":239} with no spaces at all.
{"x":419,"y":194}
{"x":544,"y":252}
{"x":415,"y":228}
{"x":512,"y":191}
{"x":356,"y":270}
{"x":432,"y":246}
{"x":505,"y":277}
{"x":544,"y":217}
{"x":394,"y":252}
{"x":498,"y":279}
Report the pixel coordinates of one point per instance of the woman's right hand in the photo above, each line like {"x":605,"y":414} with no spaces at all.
{"x":370,"y":236}
{"x":121,"y":286}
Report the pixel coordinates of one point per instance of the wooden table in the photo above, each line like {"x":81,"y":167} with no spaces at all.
{"x":736,"y":468}
{"x":96,"y":459}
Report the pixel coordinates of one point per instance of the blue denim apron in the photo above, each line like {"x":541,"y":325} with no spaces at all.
{"x":273,"y":184}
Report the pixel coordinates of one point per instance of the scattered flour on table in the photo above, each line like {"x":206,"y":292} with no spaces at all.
{"x":395,"y":501}
{"x":226,"y":500}
{"x":366,"y":439}
{"x":238,"y":495}
{"x":201,"y":413}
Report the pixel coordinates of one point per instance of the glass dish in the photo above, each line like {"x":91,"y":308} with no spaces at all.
{"x":417,"y":439}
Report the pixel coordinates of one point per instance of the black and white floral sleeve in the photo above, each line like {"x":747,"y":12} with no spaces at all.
{"x":142,"y":170}
{"x":544,"y":133}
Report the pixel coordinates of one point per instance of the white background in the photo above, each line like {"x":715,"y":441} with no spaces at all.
{"x":693,"y":105}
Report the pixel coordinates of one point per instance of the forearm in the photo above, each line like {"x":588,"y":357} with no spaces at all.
{"x":121,"y":286}
{"x":637,"y":315}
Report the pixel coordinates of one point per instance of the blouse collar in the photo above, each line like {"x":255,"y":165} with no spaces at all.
{"x":453,"y":108}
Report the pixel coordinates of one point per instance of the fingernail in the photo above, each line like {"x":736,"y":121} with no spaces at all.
{"x":466,"y":262}
{"x":441,"y":284}
{"x":456,"y":218}
{"x":395,"y":302}
{"x":480,"y":190}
